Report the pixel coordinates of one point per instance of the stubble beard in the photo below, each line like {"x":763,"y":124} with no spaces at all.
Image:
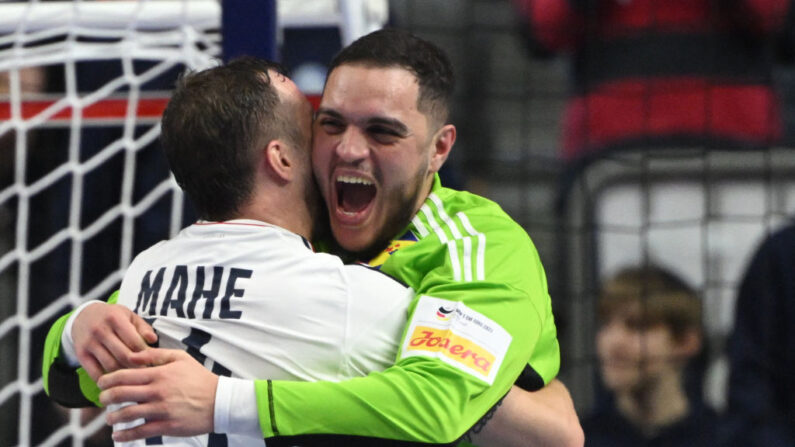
{"x":400,"y":214}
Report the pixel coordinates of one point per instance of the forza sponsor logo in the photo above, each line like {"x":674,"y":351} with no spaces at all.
{"x":451,"y":332}
{"x":452,"y":346}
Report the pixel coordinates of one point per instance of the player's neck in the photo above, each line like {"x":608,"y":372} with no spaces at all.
{"x":279,"y":210}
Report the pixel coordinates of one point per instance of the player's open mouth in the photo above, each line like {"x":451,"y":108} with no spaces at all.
{"x":354,"y":194}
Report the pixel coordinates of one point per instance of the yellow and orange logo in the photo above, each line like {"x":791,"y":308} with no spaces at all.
{"x":452,"y":346}
{"x":384,"y":255}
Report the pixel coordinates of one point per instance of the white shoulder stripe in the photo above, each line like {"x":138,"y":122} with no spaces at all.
{"x":454,"y":248}
{"x":467,"y":259}
{"x":481,"y":256}
{"x":433,"y":223}
{"x":451,"y":245}
{"x":443,"y":214}
{"x":456,"y":258}
{"x":419,"y":226}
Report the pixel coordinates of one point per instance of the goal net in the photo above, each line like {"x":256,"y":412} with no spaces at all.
{"x":83,"y":186}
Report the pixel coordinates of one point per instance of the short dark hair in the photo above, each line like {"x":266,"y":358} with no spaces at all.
{"x":664,"y":298}
{"x":211,"y":128}
{"x":391,"y":47}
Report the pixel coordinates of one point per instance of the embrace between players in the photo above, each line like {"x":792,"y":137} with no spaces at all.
{"x":419,"y":342}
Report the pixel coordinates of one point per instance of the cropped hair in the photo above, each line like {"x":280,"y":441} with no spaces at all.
{"x":661,"y":297}
{"x":211,"y":128}
{"x":391,"y":47}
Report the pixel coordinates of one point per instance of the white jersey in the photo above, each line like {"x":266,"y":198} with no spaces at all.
{"x":252,"y":300}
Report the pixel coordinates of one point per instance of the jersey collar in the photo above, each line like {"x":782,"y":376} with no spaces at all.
{"x":252,"y":223}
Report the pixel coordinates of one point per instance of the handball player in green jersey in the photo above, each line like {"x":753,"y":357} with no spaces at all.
{"x":481,"y":316}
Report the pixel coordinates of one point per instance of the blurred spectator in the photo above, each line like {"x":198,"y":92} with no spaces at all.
{"x":31,"y":81}
{"x":761,"y":349}
{"x":652,"y":73}
{"x":649,"y":329}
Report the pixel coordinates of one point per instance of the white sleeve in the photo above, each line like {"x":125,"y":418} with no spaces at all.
{"x":377,"y":318}
{"x":67,"y":343}
{"x":236,"y":408}
{"x":376,"y":296}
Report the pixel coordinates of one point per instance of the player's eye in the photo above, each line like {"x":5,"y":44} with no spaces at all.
{"x":383,"y":135}
{"x":331,"y":125}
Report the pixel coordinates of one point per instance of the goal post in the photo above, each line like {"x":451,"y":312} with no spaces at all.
{"x":83,"y":184}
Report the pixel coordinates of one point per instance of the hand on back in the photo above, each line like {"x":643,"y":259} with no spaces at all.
{"x":175,"y":396}
{"x":106,"y":335}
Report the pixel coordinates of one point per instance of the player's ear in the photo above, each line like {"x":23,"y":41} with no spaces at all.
{"x":278,"y":161}
{"x":443,"y":142}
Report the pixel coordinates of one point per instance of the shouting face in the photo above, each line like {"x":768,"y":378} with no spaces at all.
{"x":374,"y":153}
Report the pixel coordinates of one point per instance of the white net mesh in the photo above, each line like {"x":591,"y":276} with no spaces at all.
{"x":82,"y":184}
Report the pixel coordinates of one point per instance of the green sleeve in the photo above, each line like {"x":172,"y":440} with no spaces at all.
{"x":64,"y":384}
{"x":420,"y":398}
{"x":427,"y":398}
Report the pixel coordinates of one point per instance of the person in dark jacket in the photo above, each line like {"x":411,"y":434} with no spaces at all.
{"x":761,"y":348}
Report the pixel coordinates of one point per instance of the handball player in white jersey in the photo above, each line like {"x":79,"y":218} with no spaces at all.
{"x":242,"y":290}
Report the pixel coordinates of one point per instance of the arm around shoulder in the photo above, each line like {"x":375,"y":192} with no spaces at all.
{"x":539,"y":418}
{"x":95,"y":338}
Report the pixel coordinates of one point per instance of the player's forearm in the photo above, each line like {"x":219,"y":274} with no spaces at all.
{"x":66,"y":384}
{"x":421,"y":400}
{"x":71,"y":365}
{"x":540,"y":418}
{"x":451,"y":370}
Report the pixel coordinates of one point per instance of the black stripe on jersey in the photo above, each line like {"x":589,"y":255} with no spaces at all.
{"x":221,"y":370}
{"x":271,"y":410}
{"x":529,"y":379}
{"x":376,"y":269}
{"x":194,"y":342}
{"x":64,"y":385}
{"x":217,"y":440}
{"x":340,"y":441}
{"x":151,"y":322}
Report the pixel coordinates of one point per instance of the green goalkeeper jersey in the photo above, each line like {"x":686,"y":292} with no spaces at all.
{"x":481,"y":310}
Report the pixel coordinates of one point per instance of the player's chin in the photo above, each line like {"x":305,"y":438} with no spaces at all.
{"x":353,"y":238}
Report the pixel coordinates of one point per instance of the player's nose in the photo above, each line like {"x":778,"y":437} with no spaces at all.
{"x":353,"y":145}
